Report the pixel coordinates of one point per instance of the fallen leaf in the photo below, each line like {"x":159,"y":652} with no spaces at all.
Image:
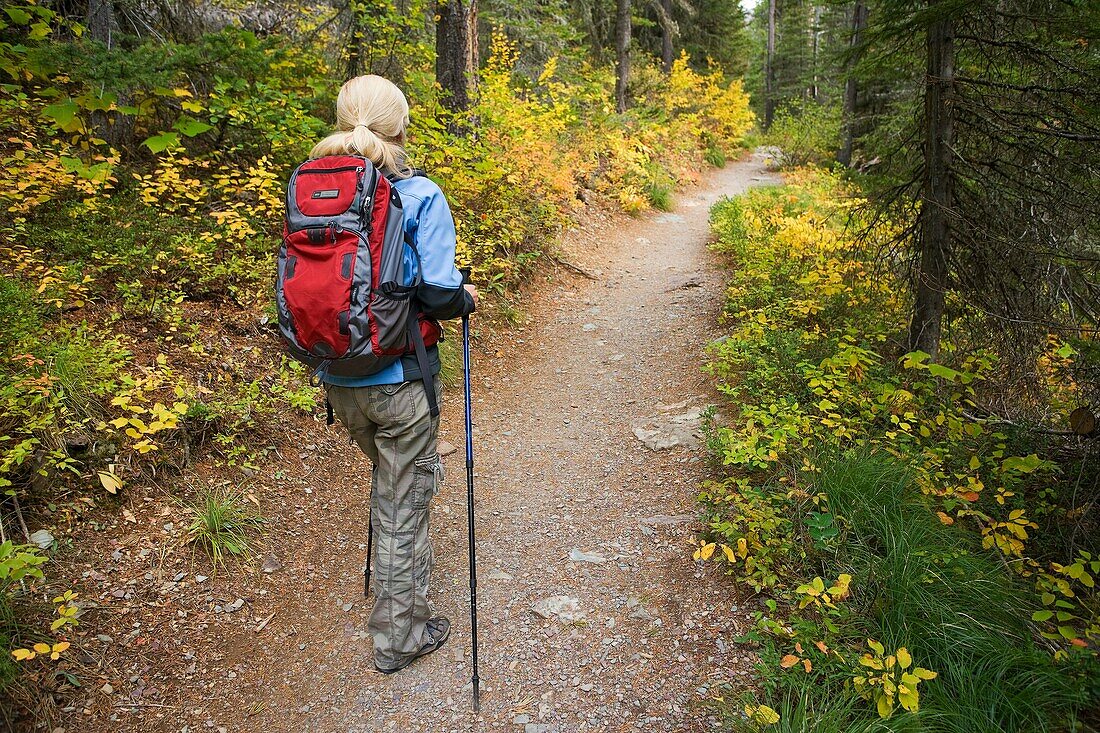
{"x":110,"y":481}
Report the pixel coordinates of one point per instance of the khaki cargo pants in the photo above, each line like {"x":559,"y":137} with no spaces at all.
{"x":392,"y":424}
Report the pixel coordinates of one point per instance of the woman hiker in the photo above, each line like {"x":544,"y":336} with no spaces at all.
{"x":387,"y":413}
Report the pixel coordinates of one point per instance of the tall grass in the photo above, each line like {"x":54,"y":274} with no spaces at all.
{"x":933,"y":589}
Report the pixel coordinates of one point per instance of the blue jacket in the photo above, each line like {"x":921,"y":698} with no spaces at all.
{"x":429,"y":224}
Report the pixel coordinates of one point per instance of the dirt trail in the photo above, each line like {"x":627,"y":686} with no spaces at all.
{"x":559,"y":469}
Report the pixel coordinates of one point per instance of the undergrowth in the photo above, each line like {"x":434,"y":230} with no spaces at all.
{"x":906,"y":546}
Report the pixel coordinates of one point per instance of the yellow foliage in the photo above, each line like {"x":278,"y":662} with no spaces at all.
{"x":888,"y":679}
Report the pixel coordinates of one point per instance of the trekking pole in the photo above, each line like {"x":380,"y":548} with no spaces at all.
{"x":470,"y":494}
{"x":370,"y":546}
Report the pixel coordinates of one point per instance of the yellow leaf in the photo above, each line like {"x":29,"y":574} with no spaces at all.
{"x":904,"y":658}
{"x":707,"y":550}
{"x":788,"y":661}
{"x":885,"y":706}
{"x":945,"y":518}
{"x":728,"y":553}
{"x":924,"y":674}
{"x":110,"y":481}
{"x":42,"y":648}
{"x":762,"y":714}
{"x":22,"y":654}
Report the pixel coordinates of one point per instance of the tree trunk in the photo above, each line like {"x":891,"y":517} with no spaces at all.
{"x":938,"y":189}
{"x":769,"y":69}
{"x":100,"y":21}
{"x":667,"y":52}
{"x":622,"y":53}
{"x":851,"y":89}
{"x":456,"y":52}
{"x":815,"y":23}
{"x":357,"y":41}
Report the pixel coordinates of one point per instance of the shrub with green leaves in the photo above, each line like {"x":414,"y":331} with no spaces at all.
{"x":806,"y":132}
{"x":849,"y":459}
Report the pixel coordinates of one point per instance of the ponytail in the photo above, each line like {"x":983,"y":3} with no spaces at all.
{"x":371,"y":118}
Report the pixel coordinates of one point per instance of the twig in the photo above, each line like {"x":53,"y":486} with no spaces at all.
{"x":575,"y":268}
{"x":1033,"y":429}
{"x":19,"y":516}
{"x":263,"y":624}
{"x":143,"y":705}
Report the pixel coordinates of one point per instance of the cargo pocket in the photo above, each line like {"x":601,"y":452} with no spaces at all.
{"x":427,"y":472}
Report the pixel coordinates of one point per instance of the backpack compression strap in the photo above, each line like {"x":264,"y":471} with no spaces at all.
{"x":426,"y":375}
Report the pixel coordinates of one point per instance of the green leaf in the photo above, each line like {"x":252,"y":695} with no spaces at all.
{"x":62,"y":113}
{"x":939,"y":370}
{"x":163,"y":141}
{"x":1041,"y":616}
{"x":1021,"y":465}
{"x":915,"y":360}
{"x":190,"y":127}
{"x":18,"y":15}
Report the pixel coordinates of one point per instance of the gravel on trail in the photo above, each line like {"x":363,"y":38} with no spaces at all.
{"x":592,"y":614}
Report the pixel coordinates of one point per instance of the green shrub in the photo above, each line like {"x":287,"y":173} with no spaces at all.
{"x":806,"y":132}
{"x":715,"y":156}
{"x":19,"y":314}
{"x":85,"y":366}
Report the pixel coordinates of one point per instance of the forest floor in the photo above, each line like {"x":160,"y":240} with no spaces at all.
{"x":573,"y":508}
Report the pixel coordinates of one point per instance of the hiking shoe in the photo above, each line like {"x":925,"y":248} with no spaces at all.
{"x":437,"y":630}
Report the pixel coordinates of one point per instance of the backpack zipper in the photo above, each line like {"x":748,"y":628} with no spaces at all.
{"x":357,"y":168}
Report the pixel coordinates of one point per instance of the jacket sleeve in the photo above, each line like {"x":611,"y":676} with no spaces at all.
{"x":440,"y":293}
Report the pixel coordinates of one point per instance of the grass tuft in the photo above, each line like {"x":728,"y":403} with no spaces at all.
{"x":222,"y":524}
{"x":715,"y":156}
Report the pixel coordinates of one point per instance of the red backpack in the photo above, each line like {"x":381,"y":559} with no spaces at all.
{"x":343,"y":305}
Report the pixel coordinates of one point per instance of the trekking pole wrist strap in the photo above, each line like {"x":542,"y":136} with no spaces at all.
{"x":417,"y":339}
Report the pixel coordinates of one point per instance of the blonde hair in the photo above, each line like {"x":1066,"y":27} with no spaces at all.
{"x":371,"y":118}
